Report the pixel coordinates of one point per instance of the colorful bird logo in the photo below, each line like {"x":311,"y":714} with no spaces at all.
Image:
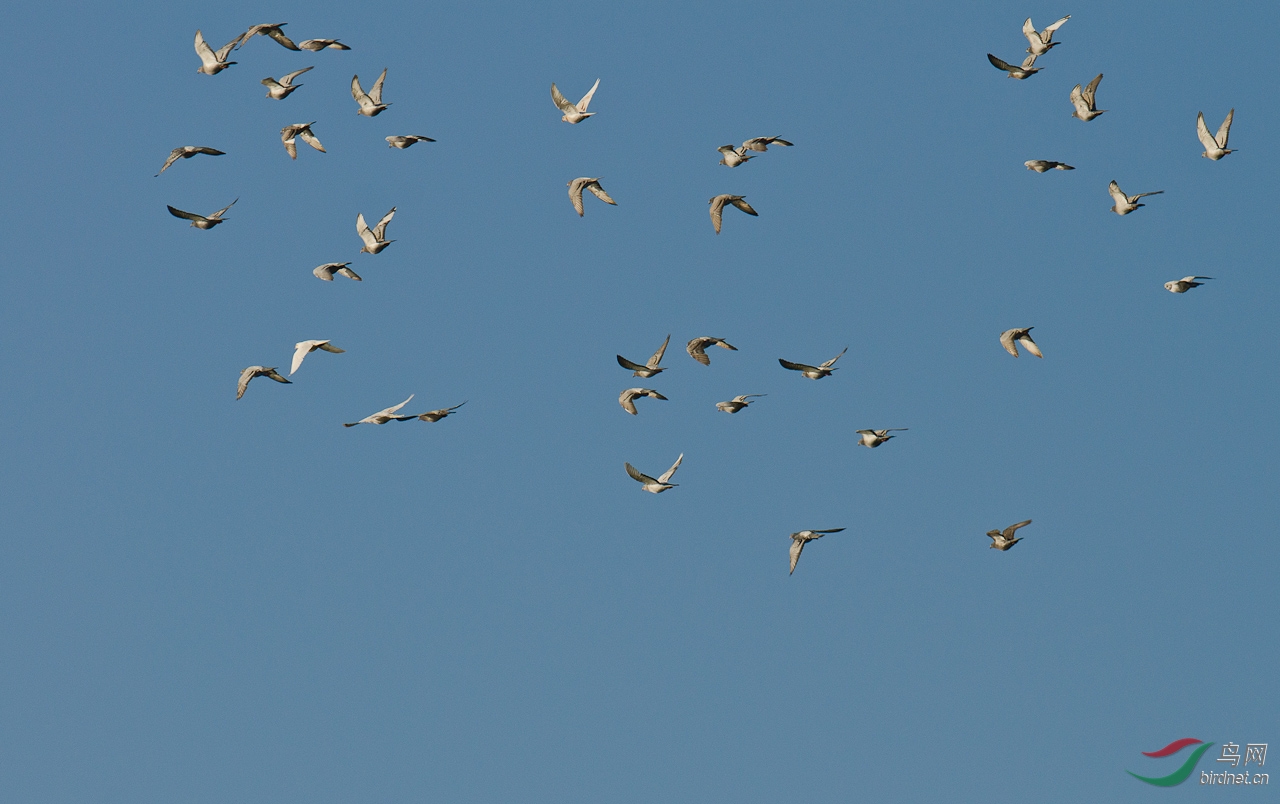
{"x":1180,"y":775}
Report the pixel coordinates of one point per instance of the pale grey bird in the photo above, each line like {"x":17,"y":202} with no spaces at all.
{"x":798,"y":541}
{"x":814,"y":372}
{"x":1184,"y":284}
{"x":1042,"y":41}
{"x":1085,"y":102}
{"x":732,"y":156}
{"x":213,"y":62}
{"x":627,"y":398}
{"x":327,"y":271}
{"x":434,"y":416}
{"x":1005,"y":540}
{"x":371,"y":104}
{"x":284,"y":87}
{"x":737,"y":403}
{"x":202,"y":221}
{"x":573,"y":113}
{"x":587,"y":183}
{"x":1042,"y":165}
{"x":375,"y":238}
{"x":1025,"y":71}
{"x":303,"y":130}
{"x":303,"y":348}
{"x":273,"y":30}
{"x":874,"y":438}
{"x":1022,"y":336}
{"x":649,"y":369}
{"x":258,"y":371}
{"x":403,"y":141}
{"x":697,"y":348}
{"x":1215,"y":147}
{"x":762,"y":143}
{"x":321,"y":44}
{"x":385,"y":415}
{"x":660,"y":484}
{"x":717,"y":207}
{"x":186,"y":152}
{"x":1126,"y":203}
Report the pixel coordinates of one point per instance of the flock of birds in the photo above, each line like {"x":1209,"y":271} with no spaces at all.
{"x":374,"y":240}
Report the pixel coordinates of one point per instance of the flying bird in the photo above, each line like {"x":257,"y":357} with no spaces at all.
{"x":573,"y":113}
{"x":383,"y":416}
{"x":874,"y":438}
{"x":650,"y":368}
{"x":1025,"y":71}
{"x":1215,"y":147}
{"x":737,"y":403}
{"x":303,"y":348}
{"x":627,"y":398}
{"x":1184,"y":284}
{"x":371,"y":105}
{"x":717,"y":207}
{"x":273,"y":30}
{"x":1041,"y":42}
{"x":578,"y":185}
{"x":303,"y":130}
{"x":798,"y":541}
{"x":1125,"y":203}
{"x":732,"y":156}
{"x":1042,"y":165}
{"x":1005,"y":540}
{"x":697,"y":348}
{"x":660,"y":484}
{"x":1022,"y":336}
{"x":202,"y":221}
{"x":327,"y":271}
{"x":186,"y":152}
{"x":375,"y":238}
{"x":403,"y":141}
{"x":762,"y":143}
{"x":258,"y":371}
{"x":211,"y":62}
{"x":814,"y":372}
{"x":434,"y":416}
{"x":284,"y":87}
{"x":321,"y":44}
{"x":1085,"y":102}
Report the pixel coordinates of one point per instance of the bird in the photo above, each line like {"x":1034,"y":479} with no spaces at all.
{"x":627,"y":397}
{"x":371,"y":105}
{"x":650,"y":368}
{"x":1022,"y":336}
{"x":303,"y":130}
{"x":213,"y":62}
{"x":1041,"y":43}
{"x":732,"y":156}
{"x":798,"y":541}
{"x":736,"y":156}
{"x":303,"y":348}
{"x":1005,"y":540}
{"x":1184,"y":284}
{"x":321,"y":44}
{"x":1215,"y":147}
{"x":374,"y":239}
{"x":874,"y":438}
{"x":737,"y":403}
{"x":814,"y":372}
{"x":186,"y":152}
{"x":403,"y":141}
{"x":573,"y":113}
{"x":1125,"y":203}
{"x":284,"y":87}
{"x":698,"y":346}
{"x":762,"y":143}
{"x":327,"y":271}
{"x":258,"y":371}
{"x":578,"y":185}
{"x":1042,"y":165}
{"x":273,"y":30}
{"x":202,"y":221}
{"x":1085,"y":102}
{"x":660,"y":484}
{"x":1025,"y":71}
{"x":436,"y":415}
{"x":717,"y":207}
{"x":385,"y":415}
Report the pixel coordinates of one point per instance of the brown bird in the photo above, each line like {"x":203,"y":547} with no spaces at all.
{"x":1005,"y":540}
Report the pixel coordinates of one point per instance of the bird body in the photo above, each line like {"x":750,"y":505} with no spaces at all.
{"x":258,"y":371}
{"x":1215,"y":146}
{"x":385,"y":415}
{"x":375,"y":238}
{"x":660,"y":483}
{"x":574,"y":112}
{"x":717,"y":208}
{"x":732,"y":156}
{"x":281,"y":89}
{"x":799,"y":540}
{"x":303,"y":348}
{"x":1020,"y":73}
{"x":1085,"y":101}
{"x":403,"y":141}
{"x":1124,"y":204}
{"x":213,"y":62}
{"x":436,"y":415}
{"x":1184,"y":284}
{"x":1042,"y":165}
{"x":303,"y":130}
{"x":737,"y":403}
{"x":1022,"y":336}
{"x":697,"y":348}
{"x":371,"y":104}
{"x":186,"y":152}
{"x":1042,"y":41}
{"x":587,"y":183}
{"x":202,"y":221}
{"x":649,"y":369}
{"x":814,"y":372}
{"x":874,"y":438}
{"x":1004,"y":540}
{"x":327,"y":271}
{"x":627,"y":398}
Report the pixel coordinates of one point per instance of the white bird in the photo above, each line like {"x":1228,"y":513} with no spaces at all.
{"x":650,"y":368}
{"x":587,"y":183}
{"x":1184,"y":284}
{"x":814,"y":372}
{"x":303,"y":348}
{"x":697,"y":348}
{"x":273,"y":30}
{"x":732,"y":156}
{"x":327,"y":271}
{"x":737,"y":403}
{"x":303,"y":130}
{"x":762,"y":143}
{"x":375,"y":238}
{"x":1085,"y":102}
{"x":186,"y":152}
{"x":874,"y":438}
{"x":321,"y":44}
{"x":1025,"y":71}
{"x":1215,"y":147}
{"x":660,"y":484}
{"x":383,"y":416}
{"x":717,"y":207}
{"x":1041,"y":42}
{"x":1005,"y":540}
{"x":370,"y":104}
{"x":202,"y":221}
{"x":258,"y":371}
{"x":627,"y":398}
{"x":436,"y":415}
{"x":211,"y":62}
{"x":284,"y":87}
{"x":573,"y":113}
{"x":1022,"y":336}
{"x":798,"y":541}
{"x":1125,"y":203}
{"x":1041,"y":165}
{"x":403,"y":141}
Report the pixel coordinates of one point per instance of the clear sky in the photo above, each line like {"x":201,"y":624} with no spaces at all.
{"x":205,"y":600}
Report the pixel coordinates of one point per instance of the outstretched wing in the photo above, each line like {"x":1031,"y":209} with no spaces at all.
{"x":1000,"y":64}
{"x":310,"y":139}
{"x":787,"y":364}
{"x":286,"y":136}
{"x":287,"y":79}
{"x":697,"y":350}
{"x":1078,"y":101}
{"x":627,"y":364}
{"x":176,"y":154}
{"x":599,"y":192}
{"x":365,"y":233}
{"x":1090,"y":91}
{"x":300,"y":352}
{"x":1006,"y":340}
{"x":1224,"y":130}
{"x":666,"y":476}
{"x":205,"y":52}
{"x":218,"y":214}
{"x":1029,"y":31}
{"x":625,"y":399}
{"x":562,"y":103}
{"x":636,"y":474}
{"x":797,"y":547}
{"x":380,"y":230}
{"x":1030,"y":345}
{"x":832,"y":361}
{"x":743,"y":205}
{"x":657,"y":356}
{"x":1117,"y":194}
{"x":278,"y":35}
{"x":1009,"y":531}
{"x":356,"y":91}
{"x":717,"y":212}
{"x":1028,"y":61}
{"x":1144,"y":195}
{"x":1047,"y":33}
{"x":586,"y":99}
{"x":245,"y":376}
{"x":375,"y":94}
{"x":575,"y":195}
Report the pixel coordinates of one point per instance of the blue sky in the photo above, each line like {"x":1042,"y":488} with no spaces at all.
{"x":206,"y":600}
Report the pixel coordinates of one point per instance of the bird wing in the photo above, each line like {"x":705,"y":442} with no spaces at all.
{"x":329,"y":347}
{"x":275,"y":33}
{"x":697,"y":350}
{"x":1078,"y":101}
{"x":652,"y":394}
{"x":324,"y":272}
{"x":1006,"y":340}
{"x":287,"y":79}
{"x":1090,"y":91}
{"x":207,"y":58}
{"x":271,"y":373}
{"x":575,"y":195}
{"x":210,"y":151}
{"x":665,"y":476}
{"x":1133,"y":198}
{"x":1030,"y":345}
{"x":657,"y":356}
{"x":286,"y":136}
{"x":1117,"y":194}
{"x":832,"y":530}
{"x":1029,"y":31}
{"x":375,"y":94}
{"x":797,"y":547}
{"x":174,"y":156}
{"x":218,"y":214}
{"x":599,"y":192}
{"x":1009,"y":531}
{"x":1000,"y":64}
{"x":625,"y":400}
{"x":380,"y":230}
{"x":191,"y":216}
{"x":1047,"y":34}
{"x":832,"y":361}
{"x":743,"y":205}
{"x":225,"y":50}
{"x":391,"y":411}
{"x":1202,"y":132}
{"x":1028,"y":61}
{"x":300,"y":352}
{"x":349,"y":274}
{"x":586,"y":99}
{"x":357,"y":92}
{"x":1224,"y":130}
{"x":245,"y":376}
{"x":717,"y":211}
{"x":365,"y":233}
{"x":562,"y":103}
{"x":638,"y":475}
{"x":310,"y":139}
{"x":627,"y":364}
{"x":787,"y":364}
